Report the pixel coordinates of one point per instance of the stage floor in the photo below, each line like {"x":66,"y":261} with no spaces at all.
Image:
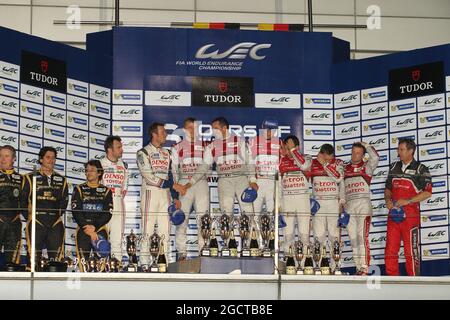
{"x":123,"y":286}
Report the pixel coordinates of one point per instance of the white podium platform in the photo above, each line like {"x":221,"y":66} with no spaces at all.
{"x":124,"y":286}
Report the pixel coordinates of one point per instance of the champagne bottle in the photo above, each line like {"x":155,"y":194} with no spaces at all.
{"x":213,"y":244}
{"x":162,"y":263}
{"x":254,"y":247}
{"x":272,"y":242}
{"x":325,"y":263}
{"x":290,"y":262}
{"x":232,"y":245}
{"x":309,"y":264}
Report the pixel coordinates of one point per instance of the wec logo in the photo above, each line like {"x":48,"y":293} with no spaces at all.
{"x":239,"y":51}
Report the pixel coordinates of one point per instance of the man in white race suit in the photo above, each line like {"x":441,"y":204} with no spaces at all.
{"x":115,"y":177}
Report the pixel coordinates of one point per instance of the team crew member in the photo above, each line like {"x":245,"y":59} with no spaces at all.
{"x":265,"y":152}
{"x":92,"y":203}
{"x":231,"y":156}
{"x":357,"y":179}
{"x":187,"y":155}
{"x":327,"y":176}
{"x":115,"y":177}
{"x":157,"y":189}
{"x":14,"y":193}
{"x":51,"y":203}
{"x":408,"y":183}
{"x":294,"y":169}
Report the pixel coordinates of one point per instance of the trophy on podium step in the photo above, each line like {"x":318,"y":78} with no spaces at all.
{"x":205,"y":231}
{"x":244,"y":230}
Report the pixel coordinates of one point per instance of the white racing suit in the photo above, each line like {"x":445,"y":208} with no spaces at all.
{"x":265,"y":155}
{"x":296,"y":197}
{"x":328,"y":189}
{"x":154,"y":166}
{"x":357,"y":195}
{"x":115,"y":177}
{"x":186,"y":157}
{"x":233,"y":168}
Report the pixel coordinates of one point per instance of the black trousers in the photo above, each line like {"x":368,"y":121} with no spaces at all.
{"x":11,"y":238}
{"x":49,"y":235}
{"x":84,"y":246}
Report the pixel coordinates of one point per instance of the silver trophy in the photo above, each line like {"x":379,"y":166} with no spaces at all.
{"x":337,"y":256}
{"x":205,"y":231}
{"x":265,"y":229}
{"x":225,"y":223}
{"x":155,"y":242}
{"x":299,"y":254}
{"x":244,"y":231}
{"x":132,"y":243}
{"x":317,"y":254}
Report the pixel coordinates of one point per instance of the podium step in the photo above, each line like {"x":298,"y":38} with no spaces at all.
{"x":219,"y":265}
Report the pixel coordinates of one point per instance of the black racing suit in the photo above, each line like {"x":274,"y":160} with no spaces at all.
{"x":91,"y":205}
{"x":52,"y":198}
{"x":14,"y":192}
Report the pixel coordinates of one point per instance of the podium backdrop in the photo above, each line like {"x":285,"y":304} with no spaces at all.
{"x":130,"y":77}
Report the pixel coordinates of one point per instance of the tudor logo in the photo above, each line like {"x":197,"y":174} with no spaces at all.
{"x":415,"y":74}
{"x":44,"y":66}
{"x":238,"y":51}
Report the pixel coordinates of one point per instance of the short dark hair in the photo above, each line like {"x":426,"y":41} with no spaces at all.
{"x":327,"y":149}
{"x":222,"y":121}
{"x":46,"y":149}
{"x":188,"y":120}
{"x":359,"y":145}
{"x":97,"y":164}
{"x":10,"y":148}
{"x":154,"y":128}
{"x":109,"y":142}
{"x":410,"y":144}
{"x":293,"y":138}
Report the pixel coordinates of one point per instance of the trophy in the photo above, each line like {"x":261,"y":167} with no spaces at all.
{"x":316,"y":256}
{"x":299,"y":255}
{"x":225,"y":232}
{"x":132,"y":252}
{"x":92,"y":263}
{"x":244,"y":230}
{"x":337,"y":256}
{"x":205,"y":231}
{"x":155,"y":241}
{"x":43,"y":264}
{"x":114,"y":264}
{"x":265,"y":223}
{"x":69,"y":262}
{"x":84,"y":265}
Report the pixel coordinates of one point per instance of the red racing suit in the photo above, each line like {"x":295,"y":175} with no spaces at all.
{"x":405,"y":184}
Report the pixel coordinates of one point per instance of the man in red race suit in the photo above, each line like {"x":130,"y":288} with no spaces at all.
{"x":408,"y":183}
